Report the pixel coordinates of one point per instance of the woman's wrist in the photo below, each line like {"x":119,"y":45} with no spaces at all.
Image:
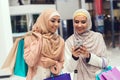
{"x":74,"y":57}
{"x":88,"y":58}
{"x":87,"y":55}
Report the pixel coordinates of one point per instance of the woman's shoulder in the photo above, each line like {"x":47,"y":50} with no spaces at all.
{"x":96,"y":34}
{"x":33,"y":35}
{"x":30,"y":37}
{"x":69,"y":40}
{"x":61,"y":39}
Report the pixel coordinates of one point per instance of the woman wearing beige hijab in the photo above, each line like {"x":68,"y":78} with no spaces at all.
{"x":44,"y":49}
{"x":85,"y":49}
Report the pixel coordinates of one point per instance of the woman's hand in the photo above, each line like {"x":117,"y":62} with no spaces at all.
{"x":55,"y":69}
{"x":82,"y":50}
{"x":76,"y":51}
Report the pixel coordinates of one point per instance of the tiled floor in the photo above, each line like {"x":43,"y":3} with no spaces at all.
{"x":114,"y":61}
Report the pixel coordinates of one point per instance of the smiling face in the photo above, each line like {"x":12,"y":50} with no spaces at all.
{"x":53,"y":24}
{"x":80,"y":24}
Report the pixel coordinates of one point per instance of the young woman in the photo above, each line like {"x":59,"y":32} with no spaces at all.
{"x":85,"y":50}
{"x":44,"y":49}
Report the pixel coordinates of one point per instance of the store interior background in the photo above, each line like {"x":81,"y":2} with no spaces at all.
{"x":23,"y":14}
{"x":23,"y":22}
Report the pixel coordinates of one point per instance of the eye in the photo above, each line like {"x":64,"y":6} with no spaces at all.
{"x":83,"y":22}
{"x":76,"y":21}
{"x":52,"y":21}
{"x":59,"y":21}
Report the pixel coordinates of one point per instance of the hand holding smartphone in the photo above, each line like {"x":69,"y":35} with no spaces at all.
{"x":77,"y":44}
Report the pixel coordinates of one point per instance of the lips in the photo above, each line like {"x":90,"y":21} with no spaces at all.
{"x":53,"y":29}
{"x":79,"y":29}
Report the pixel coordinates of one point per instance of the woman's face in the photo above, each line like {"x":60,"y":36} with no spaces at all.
{"x":80,"y":24}
{"x":53,"y":24}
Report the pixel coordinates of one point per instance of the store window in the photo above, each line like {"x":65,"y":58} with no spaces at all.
{"x":19,"y":24}
{"x":34,"y":18}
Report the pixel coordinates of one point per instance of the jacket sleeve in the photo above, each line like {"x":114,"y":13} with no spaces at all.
{"x":97,"y":58}
{"x":70,"y":64}
{"x":32,"y":50}
{"x":98,"y":61}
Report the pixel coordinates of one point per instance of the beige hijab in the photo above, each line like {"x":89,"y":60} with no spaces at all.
{"x":52,"y":44}
{"x":95,"y":45}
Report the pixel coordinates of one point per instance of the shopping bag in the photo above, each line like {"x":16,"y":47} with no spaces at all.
{"x":65,"y":76}
{"x":104,"y":69}
{"x":113,"y":74}
{"x":20,"y":67}
{"x":99,"y":75}
{"x":8,"y":65}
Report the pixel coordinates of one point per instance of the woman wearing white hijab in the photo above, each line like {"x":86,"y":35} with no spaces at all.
{"x":85,"y":49}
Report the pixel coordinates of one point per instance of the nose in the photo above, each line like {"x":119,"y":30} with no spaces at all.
{"x":79,"y":24}
{"x":56,"y":23}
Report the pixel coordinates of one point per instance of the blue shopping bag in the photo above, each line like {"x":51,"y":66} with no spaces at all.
{"x":20,"y":67}
{"x":65,"y":76}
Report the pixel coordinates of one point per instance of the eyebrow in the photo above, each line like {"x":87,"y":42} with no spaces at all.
{"x":54,"y":19}
{"x":79,"y":20}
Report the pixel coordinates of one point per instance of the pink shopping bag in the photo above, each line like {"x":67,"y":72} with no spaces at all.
{"x":113,"y":74}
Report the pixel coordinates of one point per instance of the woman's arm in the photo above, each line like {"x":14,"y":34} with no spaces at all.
{"x":97,"y":59}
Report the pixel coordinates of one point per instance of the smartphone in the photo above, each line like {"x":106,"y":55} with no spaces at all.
{"x":78,"y":43}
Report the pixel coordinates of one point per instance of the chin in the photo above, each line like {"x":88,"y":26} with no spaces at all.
{"x":80,"y":32}
{"x":53,"y":32}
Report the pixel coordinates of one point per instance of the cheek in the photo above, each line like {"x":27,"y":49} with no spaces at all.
{"x":86,"y":26}
{"x":75,"y":26}
{"x":49,"y":25}
{"x":81,"y":29}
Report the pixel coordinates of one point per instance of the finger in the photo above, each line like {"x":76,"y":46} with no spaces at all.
{"x":76,"y":48}
{"x":82,"y":47}
{"x":82,"y":52}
